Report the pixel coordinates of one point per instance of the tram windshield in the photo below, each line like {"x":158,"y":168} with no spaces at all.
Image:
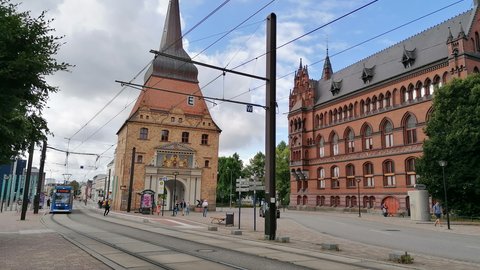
{"x":62,"y":198}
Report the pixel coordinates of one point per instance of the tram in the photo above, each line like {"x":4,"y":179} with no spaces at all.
{"x":62,"y":200}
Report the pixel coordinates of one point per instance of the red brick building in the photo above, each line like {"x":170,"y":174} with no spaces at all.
{"x":359,"y":130}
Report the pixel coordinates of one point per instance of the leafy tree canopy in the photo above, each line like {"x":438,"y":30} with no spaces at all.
{"x":27,"y":50}
{"x":454,"y":136}
{"x":282,"y":173}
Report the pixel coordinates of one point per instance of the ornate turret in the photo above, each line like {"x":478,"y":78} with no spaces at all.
{"x":303,"y":90}
{"x":172,"y":44}
{"x":327,"y":68}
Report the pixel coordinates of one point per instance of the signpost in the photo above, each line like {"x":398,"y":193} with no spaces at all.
{"x":162,"y":186}
{"x":242,"y":185}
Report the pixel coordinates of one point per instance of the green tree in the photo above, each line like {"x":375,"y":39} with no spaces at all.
{"x":282,"y":173}
{"x":454,"y":136}
{"x":256,"y":168}
{"x":76,"y":187}
{"x":229,"y":169}
{"x":27,"y":50}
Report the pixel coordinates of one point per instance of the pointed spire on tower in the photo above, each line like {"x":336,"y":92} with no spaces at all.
{"x":327,"y":68}
{"x":450,"y":35}
{"x":171,"y":43}
{"x":461,"y":33}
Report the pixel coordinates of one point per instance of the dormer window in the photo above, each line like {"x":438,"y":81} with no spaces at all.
{"x":367,"y":74}
{"x":408,"y":58}
{"x":335,"y":88}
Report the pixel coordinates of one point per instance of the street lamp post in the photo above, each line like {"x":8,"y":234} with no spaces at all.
{"x":442,"y":164}
{"x":358,"y":200}
{"x":174,"y":191}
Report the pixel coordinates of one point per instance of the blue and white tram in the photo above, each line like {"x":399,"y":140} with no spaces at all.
{"x":62,"y":200}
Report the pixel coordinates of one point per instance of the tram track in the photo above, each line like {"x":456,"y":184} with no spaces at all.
{"x":169,"y":242}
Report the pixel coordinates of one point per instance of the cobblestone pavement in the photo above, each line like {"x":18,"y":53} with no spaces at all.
{"x":28,"y":244}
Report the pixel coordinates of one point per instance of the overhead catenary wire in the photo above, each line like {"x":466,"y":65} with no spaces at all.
{"x":358,"y":44}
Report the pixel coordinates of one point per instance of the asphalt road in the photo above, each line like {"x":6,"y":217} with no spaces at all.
{"x":394,"y":236}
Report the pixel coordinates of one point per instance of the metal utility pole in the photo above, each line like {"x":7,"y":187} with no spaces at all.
{"x":132,"y":167}
{"x":27,"y":181}
{"x":40,"y":178}
{"x":271,"y":72}
{"x":108,"y":185}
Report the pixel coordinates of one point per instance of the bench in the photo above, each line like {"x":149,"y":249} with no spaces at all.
{"x":218,"y":220}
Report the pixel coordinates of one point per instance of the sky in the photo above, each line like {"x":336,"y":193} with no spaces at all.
{"x":108,"y":40}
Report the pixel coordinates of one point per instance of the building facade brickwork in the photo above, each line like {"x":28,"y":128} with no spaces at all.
{"x":359,"y":130}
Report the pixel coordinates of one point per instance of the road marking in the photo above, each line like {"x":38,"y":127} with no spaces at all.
{"x":182,"y":224}
{"x":386,"y":233}
{"x":35,"y":231}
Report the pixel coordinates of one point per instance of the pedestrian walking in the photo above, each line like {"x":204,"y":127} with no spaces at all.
{"x":107,"y":208}
{"x":384,"y":209}
{"x":187,"y":208}
{"x":205,"y":207}
{"x":158,"y":208}
{"x":437,"y":211}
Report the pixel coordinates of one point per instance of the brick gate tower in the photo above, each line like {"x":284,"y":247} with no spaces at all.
{"x":172,"y":131}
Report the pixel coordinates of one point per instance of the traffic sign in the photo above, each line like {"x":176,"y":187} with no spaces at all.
{"x":241,"y":180}
{"x":245,"y":189}
{"x":241,"y":185}
{"x":165,"y":178}
{"x":257,"y":188}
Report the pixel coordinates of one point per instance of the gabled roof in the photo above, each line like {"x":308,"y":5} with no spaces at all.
{"x":429,"y":46}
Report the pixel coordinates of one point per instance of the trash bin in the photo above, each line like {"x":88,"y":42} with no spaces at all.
{"x":229,"y":219}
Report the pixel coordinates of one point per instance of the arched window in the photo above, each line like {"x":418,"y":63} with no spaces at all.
{"x":388,"y":100}
{"x":143,"y":133}
{"x":335,"y":173}
{"x":334,"y":144}
{"x":350,"y":110}
{"x":374,"y":103}
{"x":350,"y":169}
{"x":299,"y":199}
{"x":321,"y":120}
{"x":350,"y":141}
{"x":368,"y":175}
{"x":436,"y":84}
{"x":403,"y":95}
{"x":321,"y":147}
{"x":387,"y":134}
{"x":388,"y":173}
{"x":368,"y":105}
{"x":321,"y":178}
{"x":426,"y":87}
{"x":367,"y":138}
{"x":410,"y":129}
{"x":419,"y":90}
{"x":332,"y":201}
{"x":347,"y":202}
{"x":380,"y":101}
{"x":410,"y":171}
{"x":305,"y":200}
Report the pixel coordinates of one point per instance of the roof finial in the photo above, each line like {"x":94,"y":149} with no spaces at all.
{"x":300,"y":66}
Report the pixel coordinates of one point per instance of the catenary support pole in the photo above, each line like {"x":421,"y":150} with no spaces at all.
{"x":27,"y":181}
{"x":40,"y":178}
{"x":130,"y":187}
{"x":271,"y":103}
